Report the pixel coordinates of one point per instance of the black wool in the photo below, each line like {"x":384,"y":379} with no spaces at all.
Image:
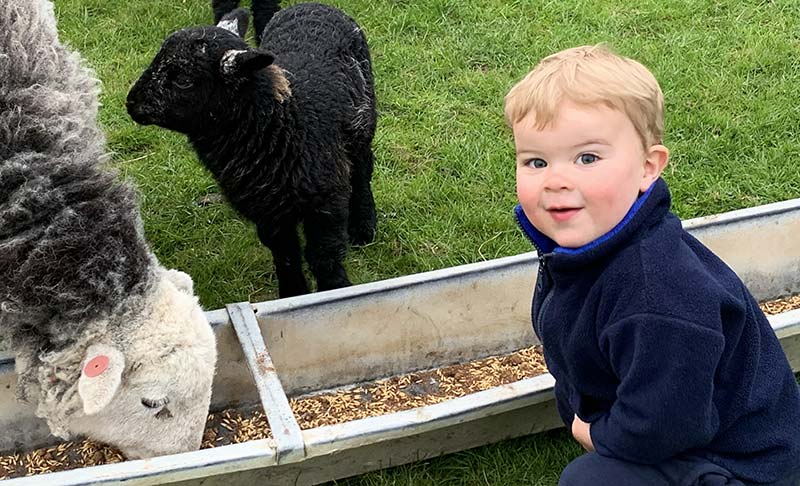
{"x":286,"y":129}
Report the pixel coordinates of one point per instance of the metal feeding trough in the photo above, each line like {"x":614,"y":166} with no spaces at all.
{"x":327,"y":340}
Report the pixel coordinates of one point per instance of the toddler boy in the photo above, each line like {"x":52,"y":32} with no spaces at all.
{"x":667,"y":372}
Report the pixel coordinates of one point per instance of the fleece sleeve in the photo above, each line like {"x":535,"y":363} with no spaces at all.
{"x":664,"y":403}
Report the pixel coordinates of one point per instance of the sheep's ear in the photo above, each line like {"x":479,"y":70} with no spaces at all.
{"x":101,"y":375}
{"x":239,"y":63}
{"x":181,"y":280}
{"x":235,"y":21}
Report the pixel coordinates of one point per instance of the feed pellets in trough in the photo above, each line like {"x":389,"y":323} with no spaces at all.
{"x":393,"y":394}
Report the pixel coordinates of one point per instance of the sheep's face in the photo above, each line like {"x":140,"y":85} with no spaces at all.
{"x":192,"y":82}
{"x":153,"y":397}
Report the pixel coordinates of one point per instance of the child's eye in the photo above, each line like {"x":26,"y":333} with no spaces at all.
{"x":586,"y":159}
{"x":537,"y":163}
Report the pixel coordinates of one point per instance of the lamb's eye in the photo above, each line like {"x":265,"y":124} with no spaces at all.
{"x":158,"y":403}
{"x":183,"y":82}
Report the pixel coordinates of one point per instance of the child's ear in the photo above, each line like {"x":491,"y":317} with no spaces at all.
{"x":657,"y":158}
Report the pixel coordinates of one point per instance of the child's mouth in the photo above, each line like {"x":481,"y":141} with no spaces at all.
{"x":563,"y":214}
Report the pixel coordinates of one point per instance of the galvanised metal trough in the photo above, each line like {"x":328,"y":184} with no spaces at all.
{"x":366,"y":332}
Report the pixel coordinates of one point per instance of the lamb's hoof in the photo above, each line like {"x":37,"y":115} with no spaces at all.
{"x":292,"y":288}
{"x":361,"y":236}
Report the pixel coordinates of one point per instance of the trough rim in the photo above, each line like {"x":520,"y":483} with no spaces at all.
{"x":183,"y":466}
{"x":319,"y":441}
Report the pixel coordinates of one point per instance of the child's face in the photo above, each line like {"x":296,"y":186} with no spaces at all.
{"x":579,"y":177}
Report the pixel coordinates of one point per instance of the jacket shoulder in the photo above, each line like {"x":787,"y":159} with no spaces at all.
{"x":670,"y":273}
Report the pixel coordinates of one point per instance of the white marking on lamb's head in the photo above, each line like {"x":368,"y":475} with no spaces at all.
{"x":243,"y":62}
{"x":231,"y":25}
{"x":161,"y":405}
{"x":228,"y":63}
{"x":235,"y":21}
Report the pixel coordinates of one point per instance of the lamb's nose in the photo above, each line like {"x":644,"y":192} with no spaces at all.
{"x":138,"y":113}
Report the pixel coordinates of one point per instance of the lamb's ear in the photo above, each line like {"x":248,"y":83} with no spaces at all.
{"x":101,"y":375}
{"x":235,"y":21}
{"x":181,"y":280}
{"x":239,"y":63}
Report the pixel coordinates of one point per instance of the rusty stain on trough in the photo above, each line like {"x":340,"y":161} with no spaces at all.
{"x":264,"y":363}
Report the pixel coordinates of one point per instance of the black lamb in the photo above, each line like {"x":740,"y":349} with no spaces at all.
{"x":286,"y":129}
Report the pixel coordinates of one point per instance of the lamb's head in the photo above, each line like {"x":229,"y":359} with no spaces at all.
{"x":151,"y":396}
{"x":198,"y":76}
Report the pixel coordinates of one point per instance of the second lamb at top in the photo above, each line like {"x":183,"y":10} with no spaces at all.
{"x":286,"y":129}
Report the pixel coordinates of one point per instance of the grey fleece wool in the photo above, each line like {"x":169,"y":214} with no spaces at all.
{"x":71,"y":241}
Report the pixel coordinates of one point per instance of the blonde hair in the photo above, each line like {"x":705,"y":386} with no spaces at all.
{"x":590,"y":75}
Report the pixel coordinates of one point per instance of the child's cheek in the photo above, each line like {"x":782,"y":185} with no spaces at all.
{"x":527,"y":190}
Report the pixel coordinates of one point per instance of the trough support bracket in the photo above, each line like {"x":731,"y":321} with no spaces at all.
{"x":285,"y":429}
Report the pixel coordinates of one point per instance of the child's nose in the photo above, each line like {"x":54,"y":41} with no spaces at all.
{"x":558,"y":178}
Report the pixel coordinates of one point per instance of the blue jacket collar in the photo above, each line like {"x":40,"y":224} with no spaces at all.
{"x":650,"y":206}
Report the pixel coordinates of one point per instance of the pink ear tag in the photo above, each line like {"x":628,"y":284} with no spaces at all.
{"x":96,"y":366}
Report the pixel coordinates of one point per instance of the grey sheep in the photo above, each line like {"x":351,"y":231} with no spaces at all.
{"x":286,"y":129}
{"x":108,"y":343}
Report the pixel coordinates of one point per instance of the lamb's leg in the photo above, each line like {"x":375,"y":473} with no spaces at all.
{"x":263,"y":10}
{"x":221,"y":7}
{"x":326,"y":246}
{"x":285,"y":247}
{"x":361,"y":226}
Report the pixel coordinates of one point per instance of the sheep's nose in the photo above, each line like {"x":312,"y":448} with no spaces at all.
{"x":138,"y":113}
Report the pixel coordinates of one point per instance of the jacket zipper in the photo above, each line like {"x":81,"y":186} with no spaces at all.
{"x":537,"y":325}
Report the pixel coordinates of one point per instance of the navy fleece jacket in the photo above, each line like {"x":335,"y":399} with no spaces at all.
{"x":658,"y":344}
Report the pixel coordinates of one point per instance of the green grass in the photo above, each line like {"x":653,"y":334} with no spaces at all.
{"x":444,"y":180}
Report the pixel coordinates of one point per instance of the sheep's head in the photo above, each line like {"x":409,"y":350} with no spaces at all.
{"x":152,"y":396}
{"x":197,"y":75}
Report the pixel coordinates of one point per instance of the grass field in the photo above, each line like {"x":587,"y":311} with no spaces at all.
{"x":444,"y":180}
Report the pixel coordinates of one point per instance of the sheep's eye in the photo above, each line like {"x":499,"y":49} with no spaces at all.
{"x":155,"y":403}
{"x":183,"y":82}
